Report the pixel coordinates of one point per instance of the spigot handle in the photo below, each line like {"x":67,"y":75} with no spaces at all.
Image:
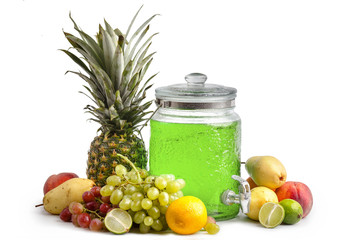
{"x":229,"y":197}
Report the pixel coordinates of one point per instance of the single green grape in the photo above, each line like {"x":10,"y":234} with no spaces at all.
{"x":168,"y":177}
{"x":162,"y":219}
{"x":181,"y":182}
{"x":135,"y":178}
{"x":160,"y":183}
{"x":153,"y":193}
{"x":137,"y":195}
{"x":143,"y":228}
{"x":172,"y":197}
{"x":146,"y":203}
{"x":120,"y":170}
{"x":179,"y":194}
{"x":127,"y":196}
{"x":163,"y":198}
{"x":157,"y":225}
{"x":113,"y":180}
{"x":139,"y":217}
{"x":173,"y":187}
{"x":116,"y":196}
{"x":130,"y":174}
{"x":163,"y":209}
{"x":212,"y":228}
{"x":143,"y":173}
{"x":148,"y":221}
{"x":130,"y":189}
{"x":125,"y":204}
{"x":136,"y":205}
{"x":106,"y":190}
{"x":149,"y":179}
{"x":146,"y":187}
{"x":154,"y":212}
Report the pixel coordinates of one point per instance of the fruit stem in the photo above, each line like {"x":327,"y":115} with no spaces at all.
{"x":94,"y":212}
{"x":39,"y":205}
{"x":131,"y":164}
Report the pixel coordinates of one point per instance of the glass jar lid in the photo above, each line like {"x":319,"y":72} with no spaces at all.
{"x":195,"y":94}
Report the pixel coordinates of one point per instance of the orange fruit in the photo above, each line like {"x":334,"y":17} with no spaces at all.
{"x":186,"y":215}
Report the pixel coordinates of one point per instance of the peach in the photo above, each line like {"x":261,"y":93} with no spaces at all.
{"x":297,"y":191}
{"x":55,"y":180}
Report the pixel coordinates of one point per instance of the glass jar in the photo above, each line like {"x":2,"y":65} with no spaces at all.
{"x":195,"y":135}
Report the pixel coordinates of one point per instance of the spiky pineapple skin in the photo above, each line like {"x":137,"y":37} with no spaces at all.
{"x":103,"y":158}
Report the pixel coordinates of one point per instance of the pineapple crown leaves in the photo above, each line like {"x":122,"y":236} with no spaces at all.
{"x":114,"y":67}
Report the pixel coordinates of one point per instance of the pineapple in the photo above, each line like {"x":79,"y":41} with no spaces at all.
{"x":114,"y":66}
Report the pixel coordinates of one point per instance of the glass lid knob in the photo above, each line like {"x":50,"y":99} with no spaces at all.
{"x":197,"y":79}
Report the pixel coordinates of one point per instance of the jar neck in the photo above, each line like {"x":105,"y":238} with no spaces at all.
{"x":198,"y":116}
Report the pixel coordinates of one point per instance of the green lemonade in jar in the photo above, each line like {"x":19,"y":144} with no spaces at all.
{"x":204,"y":155}
{"x":195,"y":135}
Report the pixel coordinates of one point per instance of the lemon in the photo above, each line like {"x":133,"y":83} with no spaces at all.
{"x":271,"y":215}
{"x":118,"y":221}
{"x":260,"y":196}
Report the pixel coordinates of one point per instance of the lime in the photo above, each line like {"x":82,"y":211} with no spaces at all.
{"x":293,"y":211}
{"x":271,"y":214}
{"x":118,"y":221}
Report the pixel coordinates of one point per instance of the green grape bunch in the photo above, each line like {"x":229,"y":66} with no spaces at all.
{"x":146,"y":198}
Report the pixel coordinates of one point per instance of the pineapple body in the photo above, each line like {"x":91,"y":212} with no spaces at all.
{"x":103,"y":158}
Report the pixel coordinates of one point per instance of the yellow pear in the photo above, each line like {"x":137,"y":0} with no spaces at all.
{"x":260,"y":196}
{"x":69,"y":191}
{"x":266,"y":171}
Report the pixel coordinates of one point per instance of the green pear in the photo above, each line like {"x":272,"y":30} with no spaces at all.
{"x":266,"y":171}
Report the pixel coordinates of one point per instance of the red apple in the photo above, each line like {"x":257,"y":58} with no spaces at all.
{"x":55,"y":180}
{"x":299,"y":192}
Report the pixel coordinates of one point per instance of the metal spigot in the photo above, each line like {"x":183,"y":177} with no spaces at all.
{"x":229,"y":197}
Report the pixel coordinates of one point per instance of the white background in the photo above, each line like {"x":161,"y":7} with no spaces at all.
{"x":295,"y":65}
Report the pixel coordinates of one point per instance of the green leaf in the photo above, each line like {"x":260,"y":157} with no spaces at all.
{"x":113,"y":113}
{"x":146,"y":44}
{"x":104,"y":79}
{"x":126,"y":75}
{"x":96,"y":98}
{"x":132,"y":87}
{"x":95,"y":86}
{"x":67,"y":36}
{"x":88,"y":97}
{"x":142,"y":63}
{"x":109,"y":50}
{"x":111,"y":31}
{"x":78,"y":61}
{"x":144,"y":69}
{"x":87,"y":57}
{"x":89,"y":40}
{"x":143,"y":90}
{"x":118,"y":101}
{"x":127,"y":50}
{"x":137,"y":42}
{"x":131,"y":23}
{"x":99,"y":37}
{"x":117,"y":67}
{"x":87,"y":49}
